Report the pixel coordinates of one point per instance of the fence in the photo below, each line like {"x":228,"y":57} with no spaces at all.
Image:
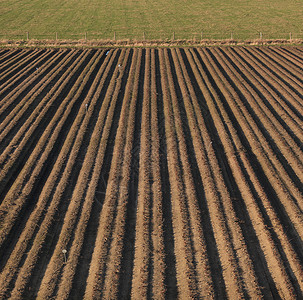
{"x":197,"y":36}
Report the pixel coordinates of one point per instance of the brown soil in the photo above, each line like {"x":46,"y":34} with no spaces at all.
{"x":164,"y":173}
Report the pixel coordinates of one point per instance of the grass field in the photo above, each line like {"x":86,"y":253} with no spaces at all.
{"x":217,"y":19}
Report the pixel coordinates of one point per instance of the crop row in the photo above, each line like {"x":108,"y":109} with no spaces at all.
{"x":151,"y":173}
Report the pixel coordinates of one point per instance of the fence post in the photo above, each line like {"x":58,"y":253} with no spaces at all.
{"x":231,"y":36}
{"x":114,"y":35}
{"x":85,"y":35}
{"x":201,"y":35}
{"x":290,"y":37}
{"x":56,"y":35}
{"x":27,"y":35}
{"x":173,"y":36}
{"x":260,"y":35}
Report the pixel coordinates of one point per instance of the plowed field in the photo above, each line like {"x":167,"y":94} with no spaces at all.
{"x":151,"y":173}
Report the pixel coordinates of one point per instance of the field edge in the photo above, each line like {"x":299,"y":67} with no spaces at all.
{"x":129,"y":43}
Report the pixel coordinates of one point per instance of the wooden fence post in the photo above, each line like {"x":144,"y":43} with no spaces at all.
{"x":56,"y":35}
{"x":85,"y":35}
{"x":27,"y":35}
{"x":260,"y":35}
{"x":290,"y":37}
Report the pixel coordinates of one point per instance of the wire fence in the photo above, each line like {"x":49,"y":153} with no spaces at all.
{"x":148,"y":36}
